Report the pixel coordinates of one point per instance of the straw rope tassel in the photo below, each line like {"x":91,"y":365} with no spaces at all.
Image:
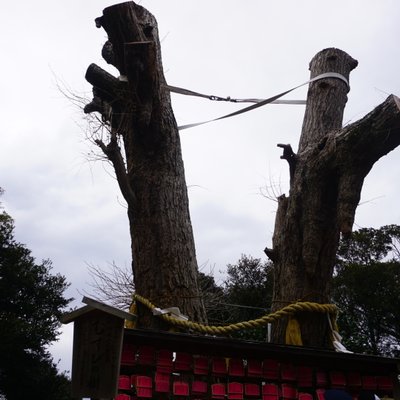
{"x":293,"y":333}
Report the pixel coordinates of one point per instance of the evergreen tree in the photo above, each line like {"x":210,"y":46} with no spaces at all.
{"x":31,"y":303}
{"x":248,"y":294}
{"x":366,"y":289}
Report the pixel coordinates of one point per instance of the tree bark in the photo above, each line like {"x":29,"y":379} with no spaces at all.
{"x":137,"y":108}
{"x":327,"y":176}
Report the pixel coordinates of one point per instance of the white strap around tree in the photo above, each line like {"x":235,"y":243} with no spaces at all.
{"x":258,"y":102}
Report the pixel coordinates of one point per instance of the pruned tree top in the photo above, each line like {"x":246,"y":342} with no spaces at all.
{"x":327,"y":175}
{"x":326,"y":98}
{"x":136,"y":106}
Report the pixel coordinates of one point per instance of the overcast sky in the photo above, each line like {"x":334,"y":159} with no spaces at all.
{"x":67,"y":207}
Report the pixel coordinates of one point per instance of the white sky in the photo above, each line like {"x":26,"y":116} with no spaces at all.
{"x":68,"y":209}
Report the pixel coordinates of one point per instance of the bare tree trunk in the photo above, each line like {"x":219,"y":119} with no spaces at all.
{"x":327,"y":176}
{"x":137,"y":108}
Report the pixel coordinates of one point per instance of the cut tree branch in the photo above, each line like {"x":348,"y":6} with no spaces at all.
{"x":109,"y":86}
{"x":270,"y":253}
{"x":290,"y":157}
{"x":375,"y":135}
{"x":360,"y":145}
{"x":113,"y":153}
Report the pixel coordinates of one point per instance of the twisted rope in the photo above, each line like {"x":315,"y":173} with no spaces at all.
{"x":288,"y":310}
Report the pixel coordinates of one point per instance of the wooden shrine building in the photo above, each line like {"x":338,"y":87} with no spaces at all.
{"x":111,"y":362}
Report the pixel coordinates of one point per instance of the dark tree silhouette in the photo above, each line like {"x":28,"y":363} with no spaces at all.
{"x":31,"y":303}
{"x":367,"y":291}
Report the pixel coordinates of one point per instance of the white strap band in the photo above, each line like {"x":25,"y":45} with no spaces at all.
{"x":258,"y":102}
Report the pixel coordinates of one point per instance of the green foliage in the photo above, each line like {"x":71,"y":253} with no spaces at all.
{"x":249,"y":283}
{"x":368,"y":245}
{"x":29,"y":376}
{"x":245,"y":294}
{"x":213,"y":298}
{"x":31,"y":303}
{"x":367,"y":290}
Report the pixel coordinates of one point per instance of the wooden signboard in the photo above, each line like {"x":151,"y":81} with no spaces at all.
{"x":96,"y":355}
{"x":98,"y":336}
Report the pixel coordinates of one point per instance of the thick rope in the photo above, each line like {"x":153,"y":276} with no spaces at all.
{"x":291,"y":309}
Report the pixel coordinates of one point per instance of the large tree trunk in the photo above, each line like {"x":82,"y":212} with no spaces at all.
{"x":137,"y":108}
{"x":326,"y":180}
